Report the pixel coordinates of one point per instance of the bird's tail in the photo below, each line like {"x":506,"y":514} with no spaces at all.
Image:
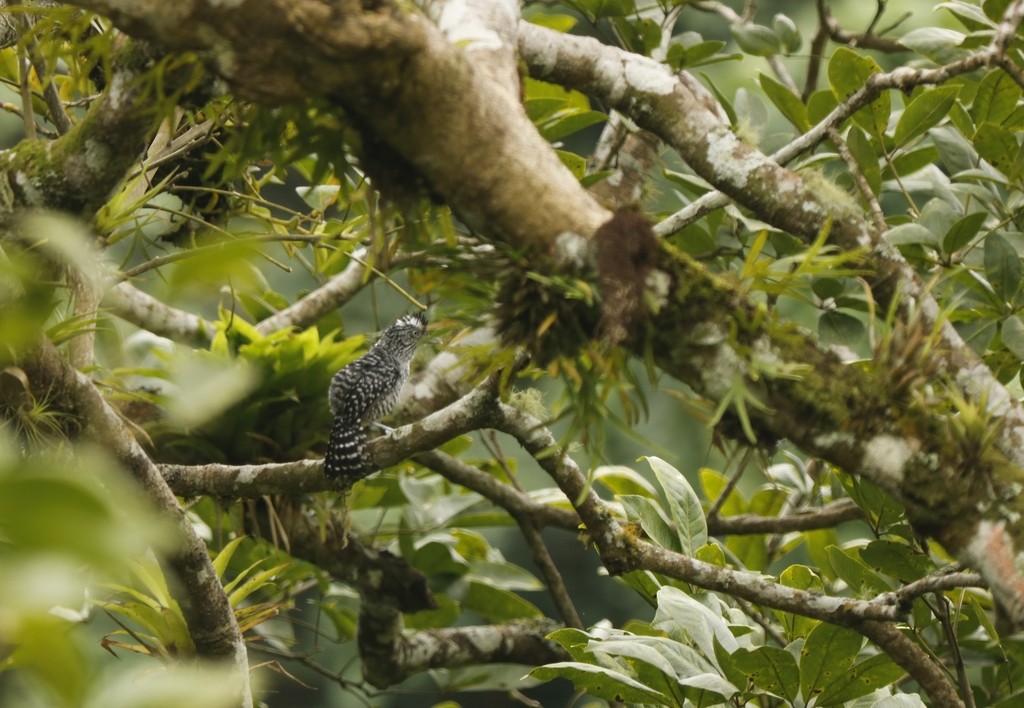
{"x":346,"y":457}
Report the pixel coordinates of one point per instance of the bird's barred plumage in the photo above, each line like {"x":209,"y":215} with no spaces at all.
{"x":365,"y":391}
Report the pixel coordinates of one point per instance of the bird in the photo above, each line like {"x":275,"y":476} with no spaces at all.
{"x":365,"y":391}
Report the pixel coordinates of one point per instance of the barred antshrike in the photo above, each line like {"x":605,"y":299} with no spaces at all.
{"x":365,"y":391}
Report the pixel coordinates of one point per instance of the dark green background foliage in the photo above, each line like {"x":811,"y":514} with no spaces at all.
{"x":271,"y":204}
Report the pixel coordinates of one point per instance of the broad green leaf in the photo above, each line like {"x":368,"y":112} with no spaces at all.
{"x":682,"y":616}
{"x":997,"y":97}
{"x":695,"y":54}
{"x":445,"y":614}
{"x":999,"y":146}
{"x":606,"y":8}
{"x":820,"y":104}
{"x":864,"y":152}
{"x":905,"y":234}
{"x":937,"y":216}
{"x":576,"y":164}
{"x":771,"y":669}
{"x":575,"y":641}
{"x":897,"y":560}
{"x":563,"y":123}
{"x":937,"y":43}
{"x":711,"y":553}
{"x":874,"y":501}
{"x":637,"y":35}
{"x":648,"y":514}
{"x":835,"y":327}
{"x":503,"y":575}
{"x":972,"y":16}
{"x":802,"y":578}
{"x":498,"y":604}
{"x":661,"y":653}
{"x":1003,"y":268}
{"x":644,"y":584}
{"x":924,"y":112}
{"x":557,"y":22}
{"x":788,"y":103}
{"x":757,"y":40}
{"x":867,"y":676}
{"x":862,"y":580}
{"x":707,"y":689}
{"x":619,"y":479}
{"x":961,"y":233}
{"x":848,"y":72}
{"x":1013,"y":335}
{"x":828,"y":652}
{"x":683,"y":504}
{"x":714,"y":484}
{"x":602,"y":682}
{"x":788,"y":33}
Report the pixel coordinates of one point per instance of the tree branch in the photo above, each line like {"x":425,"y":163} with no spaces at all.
{"x":208,"y":614}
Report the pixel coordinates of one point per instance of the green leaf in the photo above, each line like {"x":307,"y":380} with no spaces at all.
{"x":687,"y":620}
{"x":557,"y":22}
{"x":602,"y":682}
{"x":646,"y":512}
{"x":939,"y":44}
{"x":757,"y":40}
{"x":961,"y":233}
{"x":640,"y":36}
{"x":503,"y":575}
{"x":624,"y":480}
{"x":574,"y":641}
{"x":835,"y":327}
{"x":905,"y":234}
{"x":220,"y":563}
{"x":445,"y":614}
{"x":497,"y":604}
{"x":788,"y":103}
{"x":606,"y":8}
{"x":683,"y":504}
{"x":999,"y":146}
{"x":772,"y":669}
{"x":924,"y":111}
{"x":566,"y":123}
{"x":801,"y":577}
{"x":576,"y":164}
{"x":696,"y":54}
{"x":820,"y":104}
{"x":867,"y":676}
{"x":997,"y":97}
{"x":848,"y":72}
{"x":714,"y":484}
{"x":787,"y":31}
{"x":897,"y":560}
{"x":1003,"y":268}
{"x":864,"y":152}
{"x":861,"y":579}
{"x":1012,"y":333}
{"x":828,"y":652}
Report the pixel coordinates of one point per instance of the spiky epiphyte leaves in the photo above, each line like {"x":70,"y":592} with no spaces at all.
{"x":549,"y":316}
{"x":32,"y":420}
{"x":906,"y":350}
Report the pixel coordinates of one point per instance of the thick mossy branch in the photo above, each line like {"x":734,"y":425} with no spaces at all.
{"x":77,"y":172}
{"x":851,"y":416}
